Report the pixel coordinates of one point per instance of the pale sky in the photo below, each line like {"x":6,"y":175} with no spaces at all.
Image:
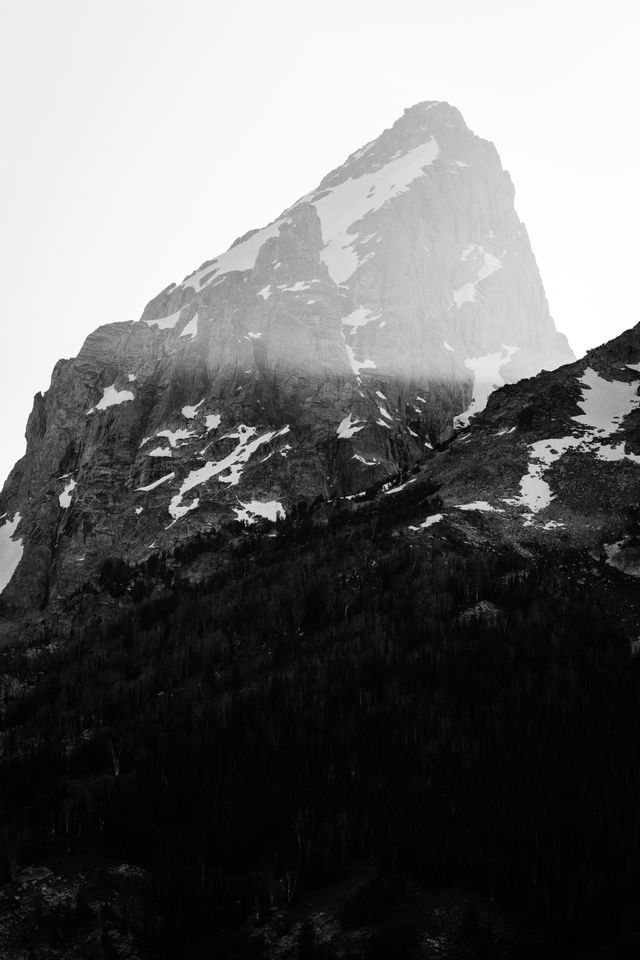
{"x":141,"y":137}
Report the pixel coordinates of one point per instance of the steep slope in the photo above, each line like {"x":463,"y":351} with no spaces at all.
{"x":316,"y":357}
{"x":555,"y":459}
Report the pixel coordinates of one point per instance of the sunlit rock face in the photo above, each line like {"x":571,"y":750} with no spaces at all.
{"x":317,"y":356}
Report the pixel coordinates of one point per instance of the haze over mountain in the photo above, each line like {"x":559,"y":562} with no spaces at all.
{"x":319,"y":355}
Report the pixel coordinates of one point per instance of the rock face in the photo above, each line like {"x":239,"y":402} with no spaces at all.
{"x":555,"y":459}
{"x":316,"y":357}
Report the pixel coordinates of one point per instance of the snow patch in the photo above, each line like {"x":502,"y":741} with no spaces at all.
{"x":111,"y":398}
{"x":250,"y":512}
{"x":10,"y":550}
{"x":166,"y":323}
{"x":190,"y":412}
{"x":295,"y":287}
{"x":486,"y":378}
{"x":191,"y":329}
{"x":480,"y":505}
{"x":606,"y":402}
{"x":359,"y":318}
{"x":241,"y":256}
{"x":358,"y":365}
{"x":388,"y":489}
{"x":486,"y":264}
{"x":65,"y":497}
{"x":429,"y":522}
{"x":173,"y":436}
{"x":348,"y":427}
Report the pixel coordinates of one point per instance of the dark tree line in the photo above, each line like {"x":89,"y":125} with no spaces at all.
{"x":324,"y":698}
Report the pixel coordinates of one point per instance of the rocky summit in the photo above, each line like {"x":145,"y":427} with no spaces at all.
{"x":318,"y":356}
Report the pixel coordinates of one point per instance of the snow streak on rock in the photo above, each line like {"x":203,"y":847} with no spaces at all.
{"x":65,"y":497}
{"x":234,"y":463}
{"x":486,"y":379}
{"x":10,"y":550}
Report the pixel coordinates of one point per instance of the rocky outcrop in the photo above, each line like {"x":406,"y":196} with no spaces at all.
{"x":555,"y":459}
{"x":317,"y":357}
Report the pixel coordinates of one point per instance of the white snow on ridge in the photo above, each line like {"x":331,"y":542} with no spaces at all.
{"x":212,"y":421}
{"x":348,"y":427}
{"x":249,"y":512}
{"x":390,"y":490}
{"x":65,"y":497}
{"x":242,"y":256}
{"x":348,"y":202}
{"x":486,"y":378}
{"x":111,"y":398}
{"x":339,"y":208}
{"x":10,"y":550}
{"x":265,"y":293}
{"x":156,"y":483}
{"x":159,"y":452}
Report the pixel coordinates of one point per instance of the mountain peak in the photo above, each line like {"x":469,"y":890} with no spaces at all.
{"x":319,"y":356}
{"x":429,"y":112}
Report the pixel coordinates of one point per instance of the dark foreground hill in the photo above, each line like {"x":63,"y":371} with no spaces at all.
{"x":340,"y":743}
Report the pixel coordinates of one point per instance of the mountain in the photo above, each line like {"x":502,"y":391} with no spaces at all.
{"x":315,"y":644}
{"x":317,"y":357}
